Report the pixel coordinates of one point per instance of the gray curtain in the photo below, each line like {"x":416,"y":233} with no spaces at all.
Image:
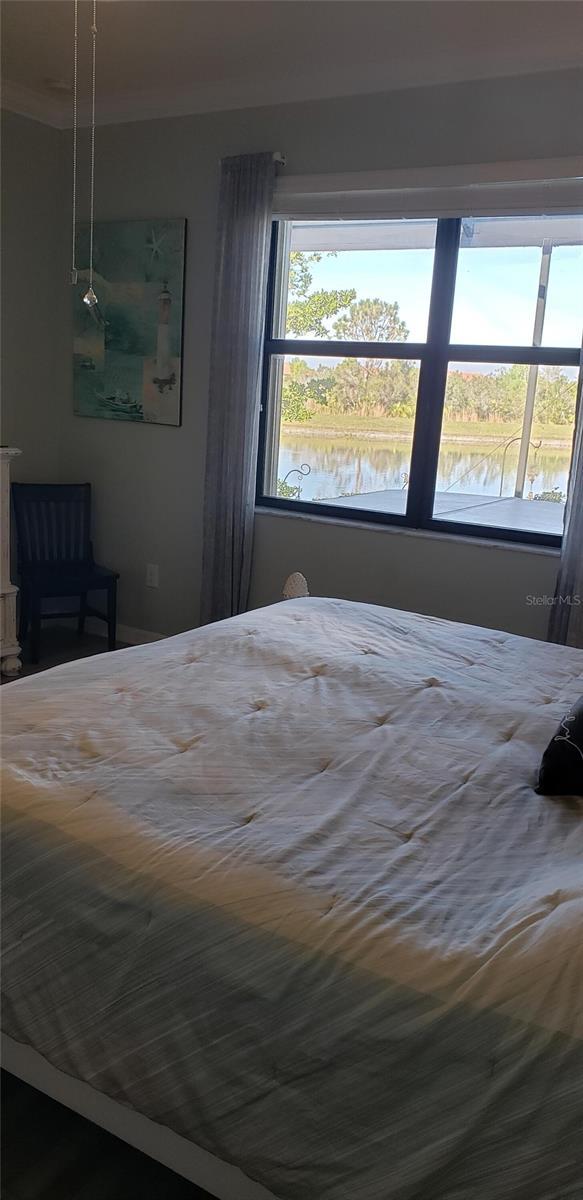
{"x":566,"y":621}
{"x":244,"y":228}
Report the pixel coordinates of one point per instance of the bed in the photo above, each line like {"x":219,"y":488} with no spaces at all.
{"x":280,"y":894}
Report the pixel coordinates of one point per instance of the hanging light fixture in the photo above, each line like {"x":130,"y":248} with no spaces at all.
{"x":74,"y":273}
{"x":90,"y":299}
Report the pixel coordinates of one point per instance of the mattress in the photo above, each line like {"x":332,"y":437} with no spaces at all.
{"x":283,"y":885}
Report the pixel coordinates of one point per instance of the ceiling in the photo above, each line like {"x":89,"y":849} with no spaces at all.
{"x":166,"y":57}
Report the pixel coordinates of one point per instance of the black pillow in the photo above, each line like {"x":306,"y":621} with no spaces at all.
{"x":561,"y":769}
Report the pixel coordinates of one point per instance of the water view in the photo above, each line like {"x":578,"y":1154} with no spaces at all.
{"x":476,"y":482}
{"x":343,"y":466}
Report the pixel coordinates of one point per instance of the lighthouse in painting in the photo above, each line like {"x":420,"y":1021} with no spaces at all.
{"x":165,"y":377}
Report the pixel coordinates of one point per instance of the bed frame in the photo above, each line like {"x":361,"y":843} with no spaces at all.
{"x":220,"y":1179}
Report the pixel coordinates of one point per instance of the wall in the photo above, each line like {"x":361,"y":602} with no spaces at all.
{"x":32,"y":284}
{"x":481,"y":583}
{"x":149,"y":480}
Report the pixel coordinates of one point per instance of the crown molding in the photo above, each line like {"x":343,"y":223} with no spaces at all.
{"x":37,"y":105}
{"x":159,"y":103}
{"x":229,"y":95}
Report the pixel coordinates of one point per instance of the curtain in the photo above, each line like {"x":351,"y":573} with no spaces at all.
{"x":566,"y":621}
{"x":243,"y":240}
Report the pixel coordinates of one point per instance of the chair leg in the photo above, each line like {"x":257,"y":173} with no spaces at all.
{"x":82,"y":613}
{"x":112,"y":614}
{"x":35,"y":620}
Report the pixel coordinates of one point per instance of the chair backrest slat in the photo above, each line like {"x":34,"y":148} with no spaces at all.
{"x":53,"y":523}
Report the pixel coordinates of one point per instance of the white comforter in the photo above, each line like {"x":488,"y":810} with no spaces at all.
{"x":284,"y":884}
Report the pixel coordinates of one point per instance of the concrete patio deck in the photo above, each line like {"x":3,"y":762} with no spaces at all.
{"x":505,"y":512}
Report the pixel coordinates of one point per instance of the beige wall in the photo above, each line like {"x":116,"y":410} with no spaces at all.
{"x":33,"y":271}
{"x":148,"y":480}
{"x":463,"y":580}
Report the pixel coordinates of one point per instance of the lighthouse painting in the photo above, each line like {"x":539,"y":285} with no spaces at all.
{"x":127,"y":350}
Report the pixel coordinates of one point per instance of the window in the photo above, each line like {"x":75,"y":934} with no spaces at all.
{"x":424,"y":372}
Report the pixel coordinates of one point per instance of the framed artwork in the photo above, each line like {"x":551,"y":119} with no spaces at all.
{"x":127,"y":352}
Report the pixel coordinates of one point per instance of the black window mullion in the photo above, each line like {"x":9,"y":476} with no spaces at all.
{"x":328,"y":349}
{"x":269,"y":311}
{"x":433,"y":375}
{"x":542,"y":356}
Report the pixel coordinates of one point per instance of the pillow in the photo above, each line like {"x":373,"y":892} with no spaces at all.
{"x":561,"y":769}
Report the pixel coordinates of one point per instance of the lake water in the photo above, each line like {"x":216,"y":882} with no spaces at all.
{"x":342,"y":466}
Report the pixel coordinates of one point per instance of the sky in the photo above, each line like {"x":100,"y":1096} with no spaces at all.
{"x":495,"y":297}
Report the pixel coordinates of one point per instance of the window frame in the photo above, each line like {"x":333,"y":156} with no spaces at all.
{"x":434,"y":356}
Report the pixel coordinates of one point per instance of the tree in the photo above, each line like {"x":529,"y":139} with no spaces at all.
{"x":377,"y":387}
{"x":307,"y":312}
{"x":388,"y":389}
{"x":371,"y":321}
{"x":368,"y":321}
{"x":304,"y":389}
{"x":500,"y":395}
{"x":400,"y":382}
{"x":509,"y":392}
{"x":294,"y":395}
{"x":350,"y":391}
{"x":556,"y":397}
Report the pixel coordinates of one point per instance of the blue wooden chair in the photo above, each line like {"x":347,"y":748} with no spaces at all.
{"x":55,"y":557}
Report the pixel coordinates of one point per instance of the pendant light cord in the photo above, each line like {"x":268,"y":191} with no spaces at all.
{"x":74,"y":205}
{"x":92,"y":178}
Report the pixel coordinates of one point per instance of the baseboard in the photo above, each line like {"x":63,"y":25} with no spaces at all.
{"x":125,"y":633}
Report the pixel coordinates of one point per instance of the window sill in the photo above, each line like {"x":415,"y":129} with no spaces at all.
{"x":266,"y":510}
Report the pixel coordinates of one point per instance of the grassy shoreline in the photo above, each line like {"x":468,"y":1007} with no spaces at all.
{"x":401,"y":428}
